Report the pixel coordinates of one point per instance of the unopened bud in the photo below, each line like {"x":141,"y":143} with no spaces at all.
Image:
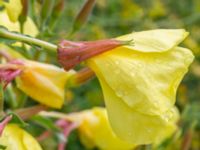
{"x":72,"y":53}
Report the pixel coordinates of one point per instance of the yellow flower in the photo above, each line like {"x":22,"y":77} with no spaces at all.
{"x":29,"y":26}
{"x":15,"y":138}
{"x":95,"y":130}
{"x":139,"y":83}
{"x":13,"y":9}
{"x":43,"y":82}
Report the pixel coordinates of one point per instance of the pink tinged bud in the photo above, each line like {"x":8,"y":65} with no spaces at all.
{"x":9,"y":71}
{"x":4,"y":123}
{"x":72,"y":53}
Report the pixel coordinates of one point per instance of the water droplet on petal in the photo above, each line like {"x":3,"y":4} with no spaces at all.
{"x":140,"y":65}
{"x":117,"y":62}
{"x":132,"y":74}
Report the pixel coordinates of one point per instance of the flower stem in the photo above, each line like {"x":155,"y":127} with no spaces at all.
{"x":81,"y":77}
{"x":4,"y":33}
{"x":1,"y":100}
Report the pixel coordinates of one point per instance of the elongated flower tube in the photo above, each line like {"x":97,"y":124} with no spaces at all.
{"x":140,"y":81}
{"x":72,"y":53}
{"x":45,"y":83}
{"x":15,"y":138}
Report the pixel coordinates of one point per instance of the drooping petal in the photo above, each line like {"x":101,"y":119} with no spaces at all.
{"x":158,"y":40}
{"x":44,"y":83}
{"x":137,"y":127}
{"x":14,"y":137}
{"x":95,"y":130}
{"x":146,"y":82}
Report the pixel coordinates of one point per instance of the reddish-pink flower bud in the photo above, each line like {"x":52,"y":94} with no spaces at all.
{"x":72,"y":53}
{"x":9,"y":71}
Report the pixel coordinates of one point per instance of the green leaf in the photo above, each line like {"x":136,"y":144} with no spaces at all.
{"x":16,"y":119}
{"x":2,"y":147}
{"x":45,"y":122}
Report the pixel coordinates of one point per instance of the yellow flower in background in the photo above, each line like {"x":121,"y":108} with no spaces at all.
{"x":13,"y":9}
{"x":15,"y":138}
{"x":29,"y":26}
{"x":139,"y":83}
{"x":95,"y":131}
{"x":43,"y":82}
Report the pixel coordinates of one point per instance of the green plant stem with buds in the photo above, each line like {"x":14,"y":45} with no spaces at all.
{"x":4,"y":33}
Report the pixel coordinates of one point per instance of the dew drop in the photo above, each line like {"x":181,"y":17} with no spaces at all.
{"x":117,"y":62}
{"x":149,"y":130}
{"x":120,"y":93}
{"x":132,"y":74}
{"x":140,"y":65}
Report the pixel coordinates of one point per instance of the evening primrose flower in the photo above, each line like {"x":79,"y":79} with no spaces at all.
{"x":45,"y":83}
{"x":13,"y":8}
{"x":94,"y":129}
{"x":15,"y":138}
{"x":139,"y":82}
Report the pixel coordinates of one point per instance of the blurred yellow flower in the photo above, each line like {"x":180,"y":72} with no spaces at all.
{"x":139,"y":83}
{"x":95,"y":131}
{"x":15,"y":138}
{"x":13,"y":9}
{"x":43,"y":82}
{"x":29,"y":26}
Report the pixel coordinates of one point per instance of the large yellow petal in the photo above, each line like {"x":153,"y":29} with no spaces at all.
{"x":44,"y":83}
{"x":158,"y":40}
{"x":15,"y":138}
{"x":146,"y":82}
{"x":13,"y":8}
{"x":133,"y":126}
{"x":95,"y":130}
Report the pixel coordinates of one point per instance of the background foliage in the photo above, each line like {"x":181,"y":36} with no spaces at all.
{"x":112,"y":18}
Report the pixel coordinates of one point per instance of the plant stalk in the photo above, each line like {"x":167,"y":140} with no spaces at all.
{"x":4,"y":33}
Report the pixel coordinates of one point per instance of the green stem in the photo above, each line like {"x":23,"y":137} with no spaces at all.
{"x":26,"y":39}
{"x":1,"y":100}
